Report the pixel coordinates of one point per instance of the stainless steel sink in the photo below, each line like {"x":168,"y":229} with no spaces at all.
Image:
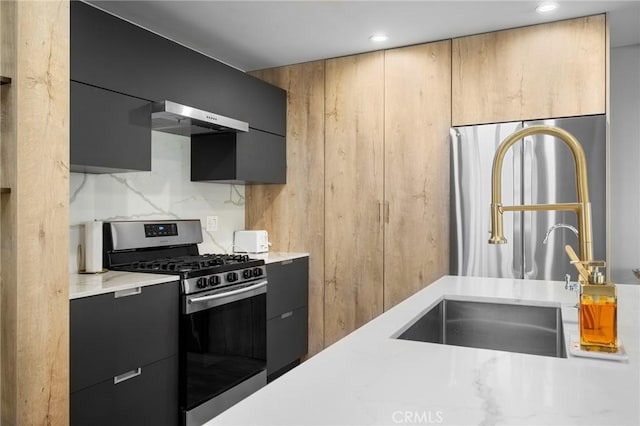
{"x":535,"y":330}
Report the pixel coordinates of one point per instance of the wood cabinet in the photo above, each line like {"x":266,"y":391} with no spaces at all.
{"x":287,"y":314}
{"x":123,"y":357}
{"x":294,"y":213}
{"x":354,"y":192}
{"x":541,"y":71}
{"x":386,"y":185}
{"x":417,"y":117}
{"x":109,"y":132}
{"x":243,"y":157}
{"x":367,"y":144}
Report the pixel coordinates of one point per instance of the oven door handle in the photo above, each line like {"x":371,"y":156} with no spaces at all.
{"x":228,"y":293}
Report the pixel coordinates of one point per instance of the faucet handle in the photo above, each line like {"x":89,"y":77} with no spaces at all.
{"x":571,"y":285}
{"x":594,"y":263}
{"x":593,"y":267}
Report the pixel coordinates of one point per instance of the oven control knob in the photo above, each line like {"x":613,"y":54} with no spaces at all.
{"x":214,"y":280}
{"x":232,"y":276}
{"x":201,"y":283}
{"x":247,"y":273}
{"x":257,"y":272}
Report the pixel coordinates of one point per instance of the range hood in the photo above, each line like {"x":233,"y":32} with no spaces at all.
{"x":171,"y":117}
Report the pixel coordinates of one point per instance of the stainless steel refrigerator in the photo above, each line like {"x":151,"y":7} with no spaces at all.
{"x":537,"y":170}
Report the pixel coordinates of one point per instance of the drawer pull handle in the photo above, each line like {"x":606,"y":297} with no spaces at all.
{"x":286,"y":262}
{"x":128,"y":292}
{"x":126,"y":376}
{"x":286,"y":315}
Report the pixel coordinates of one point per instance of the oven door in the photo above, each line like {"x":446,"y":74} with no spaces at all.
{"x":222,"y":349}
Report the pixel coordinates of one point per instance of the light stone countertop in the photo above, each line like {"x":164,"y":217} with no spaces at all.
{"x":274,"y":257}
{"x":370,"y":378}
{"x":83,"y":285}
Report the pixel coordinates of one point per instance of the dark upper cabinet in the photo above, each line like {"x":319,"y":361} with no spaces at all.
{"x":111,"y":53}
{"x":245,"y":157}
{"x":109,"y":132}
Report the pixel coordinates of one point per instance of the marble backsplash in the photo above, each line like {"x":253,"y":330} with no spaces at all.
{"x":164,"y":193}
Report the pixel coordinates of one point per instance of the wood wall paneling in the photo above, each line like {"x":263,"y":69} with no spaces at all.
{"x":34,"y":216}
{"x":385,"y":154}
{"x":416,"y":136}
{"x":541,"y":71}
{"x":354,"y":155}
{"x":293,"y":214}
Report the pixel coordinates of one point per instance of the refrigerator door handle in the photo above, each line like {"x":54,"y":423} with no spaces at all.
{"x":455,"y":176}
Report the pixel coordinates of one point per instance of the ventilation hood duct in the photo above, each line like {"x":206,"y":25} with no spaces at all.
{"x":171,"y":117}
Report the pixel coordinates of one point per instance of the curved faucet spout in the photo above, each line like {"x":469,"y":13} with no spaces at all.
{"x":581,"y":208}
{"x":556,"y":226}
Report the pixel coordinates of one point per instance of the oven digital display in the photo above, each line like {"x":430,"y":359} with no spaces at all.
{"x":160,"y":229}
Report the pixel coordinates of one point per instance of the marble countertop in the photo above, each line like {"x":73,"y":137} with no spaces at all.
{"x":274,"y":257}
{"x":370,"y":378}
{"x":83,"y":285}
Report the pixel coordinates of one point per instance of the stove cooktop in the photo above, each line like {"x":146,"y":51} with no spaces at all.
{"x":189,"y":264}
{"x":202,"y":272}
{"x":171,"y":247}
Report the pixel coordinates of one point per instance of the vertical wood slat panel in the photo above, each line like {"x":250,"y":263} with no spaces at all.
{"x":541,"y":71}
{"x":293,"y":214}
{"x":417,"y":122}
{"x":34,"y":216}
{"x":354,"y":116}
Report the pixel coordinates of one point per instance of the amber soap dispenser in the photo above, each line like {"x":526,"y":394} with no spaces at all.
{"x":598,"y":314}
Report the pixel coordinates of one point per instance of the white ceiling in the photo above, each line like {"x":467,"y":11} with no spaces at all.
{"x":252,"y":35}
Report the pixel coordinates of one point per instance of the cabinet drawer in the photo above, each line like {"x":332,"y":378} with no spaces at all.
{"x":288,"y":286}
{"x":110,"y":335}
{"x":150,"y":398}
{"x":287,"y":339}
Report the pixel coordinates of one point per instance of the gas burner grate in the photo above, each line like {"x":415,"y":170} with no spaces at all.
{"x":187,"y":263}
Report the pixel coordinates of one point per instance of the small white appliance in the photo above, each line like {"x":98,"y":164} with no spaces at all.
{"x":251,"y":241}
{"x":93,"y":246}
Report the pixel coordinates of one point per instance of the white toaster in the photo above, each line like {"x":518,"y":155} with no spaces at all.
{"x":251,"y":241}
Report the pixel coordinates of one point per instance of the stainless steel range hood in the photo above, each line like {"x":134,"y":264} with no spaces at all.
{"x":171,"y":117}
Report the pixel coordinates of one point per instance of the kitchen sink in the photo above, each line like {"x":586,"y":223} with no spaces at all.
{"x":535,"y":330}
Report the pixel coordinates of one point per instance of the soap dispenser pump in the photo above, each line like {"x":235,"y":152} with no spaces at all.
{"x":598,"y":308}
{"x":598,"y":314}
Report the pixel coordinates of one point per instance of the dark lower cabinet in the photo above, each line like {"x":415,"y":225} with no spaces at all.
{"x":123,"y":353}
{"x":287,"y":314}
{"x":109,"y":132}
{"x":244,"y":157}
{"x":287,"y":339}
{"x":149,"y":397}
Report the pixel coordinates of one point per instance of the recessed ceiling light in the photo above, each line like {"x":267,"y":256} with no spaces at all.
{"x":546,"y":7}
{"x":379,"y":37}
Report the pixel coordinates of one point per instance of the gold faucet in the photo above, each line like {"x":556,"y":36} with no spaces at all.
{"x":581,"y":208}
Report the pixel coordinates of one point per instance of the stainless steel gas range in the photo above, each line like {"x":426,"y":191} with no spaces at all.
{"x":223,"y":310}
